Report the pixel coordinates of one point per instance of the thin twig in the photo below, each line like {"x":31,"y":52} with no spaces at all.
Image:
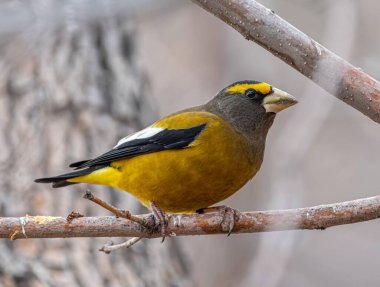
{"x":108,"y":248}
{"x":317,"y":217}
{"x":338,"y":77}
{"x":118,"y":212}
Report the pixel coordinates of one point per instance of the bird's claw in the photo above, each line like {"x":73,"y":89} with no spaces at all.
{"x":229,"y":217}
{"x":160,"y":218}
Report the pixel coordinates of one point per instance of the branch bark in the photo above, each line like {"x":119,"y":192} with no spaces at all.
{"x":338,"y":77}
{"x":317,"y":217}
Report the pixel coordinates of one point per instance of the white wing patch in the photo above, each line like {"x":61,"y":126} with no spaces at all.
{"x":143,"y":134}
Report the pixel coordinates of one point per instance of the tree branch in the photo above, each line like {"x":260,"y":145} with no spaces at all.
{"x":317,"y":217}
{"x":261,"y":25}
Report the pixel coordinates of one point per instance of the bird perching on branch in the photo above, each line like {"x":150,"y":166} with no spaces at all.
{"x":191,"y":159}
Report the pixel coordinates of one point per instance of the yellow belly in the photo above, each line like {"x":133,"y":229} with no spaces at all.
{"x":216,"y":165}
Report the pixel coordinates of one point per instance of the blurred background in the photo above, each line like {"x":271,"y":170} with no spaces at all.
{"x":77,"y":75}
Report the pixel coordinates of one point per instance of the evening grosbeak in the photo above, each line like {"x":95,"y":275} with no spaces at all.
{"x":191,"y":159}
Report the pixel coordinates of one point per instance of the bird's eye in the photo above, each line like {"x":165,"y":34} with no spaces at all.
{"x":254,"y":95}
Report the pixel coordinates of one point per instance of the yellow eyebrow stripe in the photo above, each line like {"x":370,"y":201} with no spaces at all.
{"x":262,"y":88}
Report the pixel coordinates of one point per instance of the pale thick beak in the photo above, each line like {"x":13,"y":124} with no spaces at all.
{"x":277,"y":101}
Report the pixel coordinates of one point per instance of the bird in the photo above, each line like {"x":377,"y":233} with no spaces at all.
{"x":192,"y":159}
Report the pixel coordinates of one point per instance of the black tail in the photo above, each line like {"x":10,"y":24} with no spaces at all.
{"x":60,"y":180}
{"x":76,"y":165}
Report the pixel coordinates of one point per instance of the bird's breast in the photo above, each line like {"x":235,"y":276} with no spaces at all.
{"x":212,"y":168}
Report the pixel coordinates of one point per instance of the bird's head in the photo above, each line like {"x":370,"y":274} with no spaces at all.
{"x":250,"y":106}
{"x":261,"y":95}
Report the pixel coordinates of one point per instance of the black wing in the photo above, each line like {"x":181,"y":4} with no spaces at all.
{"x":163,"y":140}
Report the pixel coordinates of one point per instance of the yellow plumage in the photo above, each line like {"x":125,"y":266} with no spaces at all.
{"x":211,"y":169}
{"x":191,"y":159}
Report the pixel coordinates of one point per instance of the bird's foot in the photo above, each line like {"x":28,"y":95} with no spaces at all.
{"x":161,"y":218}
{"x":229,"y":216}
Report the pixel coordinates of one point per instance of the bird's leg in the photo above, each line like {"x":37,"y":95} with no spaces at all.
{"x":229,"y":216}
{"x":161,"y":218}
{"x":118,"y":212}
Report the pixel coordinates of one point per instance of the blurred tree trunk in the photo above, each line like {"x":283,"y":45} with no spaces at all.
{"x":67,"y":93}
